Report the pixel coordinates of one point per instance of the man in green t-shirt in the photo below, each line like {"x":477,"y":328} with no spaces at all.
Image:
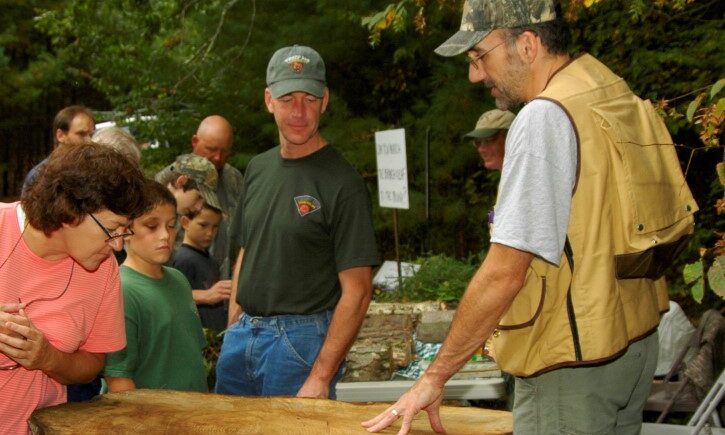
{"x":303,"y":229}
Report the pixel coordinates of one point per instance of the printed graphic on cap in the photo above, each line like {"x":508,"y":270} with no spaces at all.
{"x":306,"y":204}
{"x":297,"y":62}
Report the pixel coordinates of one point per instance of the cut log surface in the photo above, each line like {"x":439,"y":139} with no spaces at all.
{"x":174,"y":412}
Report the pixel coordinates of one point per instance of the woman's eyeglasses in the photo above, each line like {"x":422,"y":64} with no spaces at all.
{"x":112,"y":237}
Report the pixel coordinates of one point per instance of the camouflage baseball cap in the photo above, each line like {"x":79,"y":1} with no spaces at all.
{"x":480,"y":17}
{"x":199,"y":169}
{"x":296,"y":68}
{"x":490,"y":123}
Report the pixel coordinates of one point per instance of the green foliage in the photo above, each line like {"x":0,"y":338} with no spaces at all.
{"x":693,"y":274}
{"x":708,"y":271}
{"x":211,"y":355}
{"x":180,"y":60}
{"x":394,"y":16}
{"x":440,"y":278}
{"x":153,"y":160}
{"x":716,"y":276}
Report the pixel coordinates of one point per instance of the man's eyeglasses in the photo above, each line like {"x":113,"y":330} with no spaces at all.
{"x":112,"y":237}
{"x":474,"y":61}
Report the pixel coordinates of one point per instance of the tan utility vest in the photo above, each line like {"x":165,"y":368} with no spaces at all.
{"x":631,"y":214}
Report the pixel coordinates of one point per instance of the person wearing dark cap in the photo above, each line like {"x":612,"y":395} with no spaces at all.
{"x":302,"y":281}
{"x":570,"y":292}
{"x":489,"y":137}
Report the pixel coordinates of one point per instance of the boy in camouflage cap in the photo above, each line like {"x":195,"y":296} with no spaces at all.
{"x":192,"y":179}
{"x":578,"y":332}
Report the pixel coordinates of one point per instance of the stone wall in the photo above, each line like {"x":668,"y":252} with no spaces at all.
{"x":385,"y":341}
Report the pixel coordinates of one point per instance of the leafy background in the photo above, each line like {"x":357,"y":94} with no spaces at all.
{"x":180,"y":60}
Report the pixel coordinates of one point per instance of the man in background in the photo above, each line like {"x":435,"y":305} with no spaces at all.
{"x":214,"y":139}
{"x":72,"y":124}
{"x":489,"y":137}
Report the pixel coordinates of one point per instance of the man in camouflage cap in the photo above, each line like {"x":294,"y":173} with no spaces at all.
{"x":481,"y":17}
{"x":579,"y":337}
{"x":193,"y":180}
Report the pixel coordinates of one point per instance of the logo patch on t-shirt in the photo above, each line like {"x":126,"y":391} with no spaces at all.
{"x":307,"y":204}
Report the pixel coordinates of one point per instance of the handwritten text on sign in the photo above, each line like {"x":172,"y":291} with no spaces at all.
{"x":392,"y":168}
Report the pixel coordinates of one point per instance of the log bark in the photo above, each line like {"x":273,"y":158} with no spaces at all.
{"x":174,"y":412}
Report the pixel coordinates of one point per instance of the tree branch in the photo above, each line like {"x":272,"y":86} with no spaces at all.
{"x":246,"y":40}
{"x":209,"y":45}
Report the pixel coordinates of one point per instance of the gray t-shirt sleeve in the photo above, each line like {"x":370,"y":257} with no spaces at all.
{"x":537,"y":180}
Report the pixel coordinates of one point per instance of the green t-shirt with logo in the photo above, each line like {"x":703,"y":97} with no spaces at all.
{"x":163,"y":331}
{"x":301,"y":222}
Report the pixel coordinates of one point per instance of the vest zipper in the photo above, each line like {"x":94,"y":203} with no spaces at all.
{"x":570,"y":303}
{"x":572,"y":323}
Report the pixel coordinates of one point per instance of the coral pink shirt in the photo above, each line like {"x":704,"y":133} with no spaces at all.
{"x":88,"y":317}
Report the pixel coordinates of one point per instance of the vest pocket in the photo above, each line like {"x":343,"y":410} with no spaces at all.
{"x":527,"y":305}
{"x":651,"y":263}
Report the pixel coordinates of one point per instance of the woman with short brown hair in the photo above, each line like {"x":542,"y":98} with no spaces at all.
{"x":60,"y":301}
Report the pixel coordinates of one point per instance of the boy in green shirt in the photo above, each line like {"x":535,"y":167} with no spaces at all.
{"x":163,"y":329}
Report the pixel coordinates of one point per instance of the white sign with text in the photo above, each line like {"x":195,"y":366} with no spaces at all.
{"x":392,"y":168}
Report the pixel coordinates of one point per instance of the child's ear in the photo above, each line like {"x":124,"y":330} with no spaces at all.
{"x":185,"y":221}
{"x":179,"y":183}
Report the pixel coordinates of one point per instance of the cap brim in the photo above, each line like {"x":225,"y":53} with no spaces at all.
{"x":460,"y":42}
{"x":163,"y":173}
{"x":310,"y":86}
{"x":482,"y":133}
{"x":209,"y":196}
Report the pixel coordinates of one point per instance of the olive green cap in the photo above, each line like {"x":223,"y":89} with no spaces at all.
{"x":296,"y":69}
{"x":490,"y":123}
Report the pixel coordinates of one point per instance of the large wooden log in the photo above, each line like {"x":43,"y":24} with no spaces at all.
{"x":173,"y":412}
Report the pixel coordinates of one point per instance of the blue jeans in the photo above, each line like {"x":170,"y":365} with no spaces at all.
{"x":271,"y":356}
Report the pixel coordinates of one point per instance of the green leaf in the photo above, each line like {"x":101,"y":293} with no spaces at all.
{"x":371,"y":21}
{"x":692,"y":108}
{"x":717,"y":87}
{"x":692,"y":272}
{"x":720,"y":169}
{"x":720,"y":105}
{"x":698,"y":291}
{"x":716,"y":276}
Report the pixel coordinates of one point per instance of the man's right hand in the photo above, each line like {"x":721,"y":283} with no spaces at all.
{"x":218,"y":292}
{"x":423,"y":395}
